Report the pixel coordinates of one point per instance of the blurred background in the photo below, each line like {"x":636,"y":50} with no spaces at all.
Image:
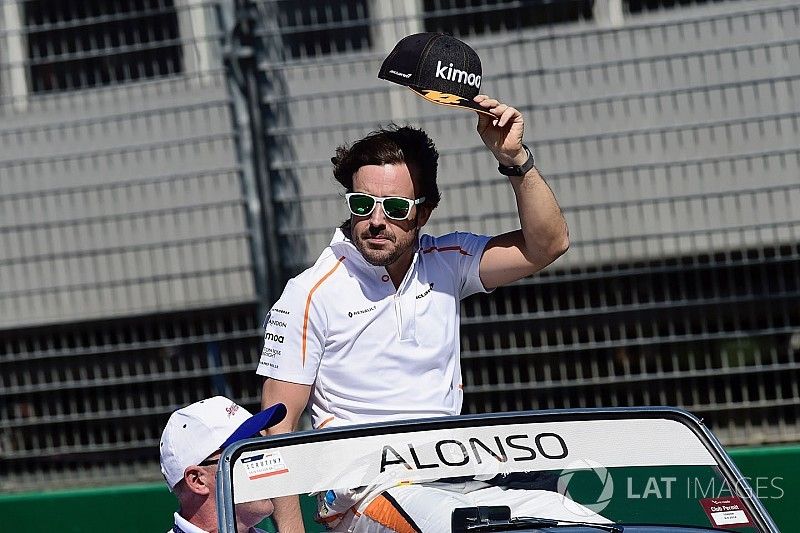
{"x":165,"y":168}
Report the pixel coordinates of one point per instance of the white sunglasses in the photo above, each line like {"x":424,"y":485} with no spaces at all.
{"x":394,"y":207}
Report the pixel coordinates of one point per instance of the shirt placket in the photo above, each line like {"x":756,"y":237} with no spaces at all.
{"x":405,"y":305}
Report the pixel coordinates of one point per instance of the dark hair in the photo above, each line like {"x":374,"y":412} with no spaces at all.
{"x":388,"y":146}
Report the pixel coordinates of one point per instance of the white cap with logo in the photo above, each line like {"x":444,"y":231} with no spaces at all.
{"x":196,"y":431}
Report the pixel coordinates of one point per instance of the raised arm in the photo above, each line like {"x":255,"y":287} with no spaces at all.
{"x":543,"y":236}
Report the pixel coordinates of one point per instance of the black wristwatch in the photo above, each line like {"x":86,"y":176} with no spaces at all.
{"x":518,"y":170}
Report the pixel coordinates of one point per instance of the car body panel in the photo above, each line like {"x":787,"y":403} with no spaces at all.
{"x":633,"y":465}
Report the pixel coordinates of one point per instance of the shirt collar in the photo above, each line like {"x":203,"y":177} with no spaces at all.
{"x":339,"y":238}
{"x":184,"y":526}
{"x":342,"y":245}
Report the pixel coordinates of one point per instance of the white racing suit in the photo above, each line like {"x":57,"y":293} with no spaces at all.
{"x":427,"y":507}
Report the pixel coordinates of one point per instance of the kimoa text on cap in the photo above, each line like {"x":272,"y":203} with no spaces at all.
{"x":447,"y":72}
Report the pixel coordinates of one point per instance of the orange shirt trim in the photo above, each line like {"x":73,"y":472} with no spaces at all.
{"x":308,"y":304}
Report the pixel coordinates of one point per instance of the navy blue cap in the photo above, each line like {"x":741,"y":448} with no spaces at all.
{"x":252,"y":426}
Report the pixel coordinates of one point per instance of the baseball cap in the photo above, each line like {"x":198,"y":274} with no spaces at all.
{"x":438,"y":67}
{"x":198,"y":430}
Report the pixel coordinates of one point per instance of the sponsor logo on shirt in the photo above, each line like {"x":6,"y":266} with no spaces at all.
{"x":351,"y":314}
{"x":269,"y":320}
{"x":231,"y":410}
{"x":270,"y":352}
{"x":427,"y":292}
{"x":269,"y":364}
{"x":272,"y":337}
{"x":281,"y":311}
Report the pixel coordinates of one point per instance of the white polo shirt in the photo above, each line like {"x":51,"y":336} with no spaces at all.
{"x":374,"y":353}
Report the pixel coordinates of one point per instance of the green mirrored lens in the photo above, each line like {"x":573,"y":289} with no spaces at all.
{"x":361,"y":205}
{"x":396,"y":207}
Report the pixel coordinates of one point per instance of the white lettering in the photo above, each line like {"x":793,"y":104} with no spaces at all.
{"x":459,"y":75}
{"x":668,"y":481}
{"x":703,"y":491}
{"x":631,"y":495}
{"x":447,"y":72}
{"x":651,"y":489}
{"x":777,"y":487}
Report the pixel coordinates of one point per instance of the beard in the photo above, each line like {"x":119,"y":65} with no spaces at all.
{"x":390,"y":251}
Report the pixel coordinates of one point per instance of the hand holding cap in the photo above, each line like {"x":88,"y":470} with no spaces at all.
{"x":438,"y":67}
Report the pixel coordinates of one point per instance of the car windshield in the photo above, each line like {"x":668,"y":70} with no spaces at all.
{"x":591,"y":470}
{"x":642,"y":495}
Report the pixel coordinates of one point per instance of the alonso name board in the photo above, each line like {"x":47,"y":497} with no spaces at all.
{"x":376,"y":460}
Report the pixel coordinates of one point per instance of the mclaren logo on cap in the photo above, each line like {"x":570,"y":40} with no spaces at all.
{"x":400,"y":74}
{"x":447,"y":72}
{"x":442,"y":98}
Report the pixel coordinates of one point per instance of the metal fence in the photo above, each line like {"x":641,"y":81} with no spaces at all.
{"x":164,"y":167}
{"x":127,"y":284}
{"x":671,"y":140}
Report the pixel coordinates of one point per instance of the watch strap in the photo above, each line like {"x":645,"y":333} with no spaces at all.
{"x":518,"y":170}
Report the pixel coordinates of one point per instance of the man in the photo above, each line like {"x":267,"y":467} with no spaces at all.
{"x":371,"y":331}
{"x":191,"y":445}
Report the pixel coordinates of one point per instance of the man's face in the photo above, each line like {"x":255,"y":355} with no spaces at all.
{"x":381,"y":240}
{"x":252,"y":513}
{"x":247,"y":513}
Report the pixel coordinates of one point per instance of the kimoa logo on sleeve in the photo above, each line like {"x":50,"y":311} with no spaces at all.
{"x":447,"y":72}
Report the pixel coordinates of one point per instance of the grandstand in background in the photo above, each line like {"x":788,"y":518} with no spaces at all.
{"x":164,"y":168}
